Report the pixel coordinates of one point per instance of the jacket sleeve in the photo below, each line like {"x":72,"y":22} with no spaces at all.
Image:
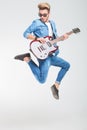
{"x":30,"y":29}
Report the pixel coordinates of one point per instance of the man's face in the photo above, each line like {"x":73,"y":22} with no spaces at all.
{"x":44,"y":15}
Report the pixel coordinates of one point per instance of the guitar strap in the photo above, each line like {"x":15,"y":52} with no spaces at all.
{"x":54,"y":37}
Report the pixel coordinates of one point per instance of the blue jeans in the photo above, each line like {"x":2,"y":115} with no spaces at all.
{"x":41,"y":71}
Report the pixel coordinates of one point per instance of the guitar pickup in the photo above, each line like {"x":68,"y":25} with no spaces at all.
{"x":41,"y":48}
{"x":49,"y":44}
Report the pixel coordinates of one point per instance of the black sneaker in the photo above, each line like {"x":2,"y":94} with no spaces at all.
{"x":55,"y":92}
{"x":22,"y":56}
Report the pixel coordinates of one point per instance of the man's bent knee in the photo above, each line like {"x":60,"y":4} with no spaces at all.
{"x":67,"y":66}
{"x":42,"y":80}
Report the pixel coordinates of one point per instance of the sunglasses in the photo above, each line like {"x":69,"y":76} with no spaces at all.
{"x":44,"y":15}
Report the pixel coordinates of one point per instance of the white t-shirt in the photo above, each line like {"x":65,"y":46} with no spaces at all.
{"x":49,"y":28}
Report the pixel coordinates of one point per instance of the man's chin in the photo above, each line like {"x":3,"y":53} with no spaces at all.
{"x":43,"y":20}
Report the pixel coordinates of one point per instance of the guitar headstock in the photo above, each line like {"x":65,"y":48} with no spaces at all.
{"x":76,"y":30}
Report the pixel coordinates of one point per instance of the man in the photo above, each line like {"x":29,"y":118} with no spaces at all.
{"x":40,"y":28}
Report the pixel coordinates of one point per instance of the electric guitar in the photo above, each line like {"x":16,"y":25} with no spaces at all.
{"x":41,"y":51}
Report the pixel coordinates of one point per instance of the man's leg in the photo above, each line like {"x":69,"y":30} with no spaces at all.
{"x":40,"y":72}
{"x":57,"y":61}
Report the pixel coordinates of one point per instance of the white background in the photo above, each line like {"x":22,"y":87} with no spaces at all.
{"x":24,"y":103}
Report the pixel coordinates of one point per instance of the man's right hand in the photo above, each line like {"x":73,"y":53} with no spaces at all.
{"x":42,"y":40}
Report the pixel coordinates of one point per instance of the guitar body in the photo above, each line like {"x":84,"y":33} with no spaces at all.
{"x":41,"y":51}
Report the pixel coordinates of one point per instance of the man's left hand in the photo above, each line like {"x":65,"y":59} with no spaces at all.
{"x":65,"y":36}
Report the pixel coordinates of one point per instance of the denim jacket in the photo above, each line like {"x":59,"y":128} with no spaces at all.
{"x":40,"y":29}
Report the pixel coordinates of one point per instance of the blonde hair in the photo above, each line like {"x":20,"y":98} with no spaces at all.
{"x":44,"y":6}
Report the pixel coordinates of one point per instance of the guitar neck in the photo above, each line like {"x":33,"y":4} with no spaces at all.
{"x":60,"y":38}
